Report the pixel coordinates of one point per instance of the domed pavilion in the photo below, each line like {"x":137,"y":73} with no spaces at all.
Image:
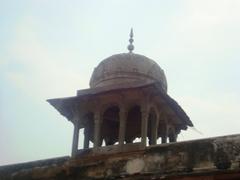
{"x":126,"y":107}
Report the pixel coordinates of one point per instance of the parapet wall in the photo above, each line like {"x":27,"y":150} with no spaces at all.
{"x":205,"y":158}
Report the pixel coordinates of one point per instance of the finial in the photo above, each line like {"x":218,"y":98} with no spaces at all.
{"x":130,"y":46}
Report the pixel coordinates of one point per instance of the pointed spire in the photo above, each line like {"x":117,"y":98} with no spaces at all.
{"x":130,"y":46}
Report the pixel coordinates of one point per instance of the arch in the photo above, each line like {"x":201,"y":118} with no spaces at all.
{"x":154,"y":107}
{"x":133,"y":123}
{"x":108,"y":105}
{"x":129,"y":104}
{"x":110,"y":124}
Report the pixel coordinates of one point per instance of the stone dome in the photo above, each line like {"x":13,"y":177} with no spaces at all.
{"x":127,"y":68}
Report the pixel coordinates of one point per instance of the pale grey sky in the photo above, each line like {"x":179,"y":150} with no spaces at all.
{"x":48,"y":49}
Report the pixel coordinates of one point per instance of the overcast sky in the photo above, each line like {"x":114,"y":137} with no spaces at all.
{"x":48,"y":49}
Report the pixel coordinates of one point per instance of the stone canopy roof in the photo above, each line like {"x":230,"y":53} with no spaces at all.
{"x":64,"y":105}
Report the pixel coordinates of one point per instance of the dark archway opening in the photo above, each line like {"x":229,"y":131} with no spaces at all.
{"x":133,"y":124}
{"x":110,"y":125}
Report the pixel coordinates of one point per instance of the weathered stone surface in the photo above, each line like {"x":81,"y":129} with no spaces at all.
{"x":214,"y":158}
{"x":32,"y":170}
{"x":127,"y":68}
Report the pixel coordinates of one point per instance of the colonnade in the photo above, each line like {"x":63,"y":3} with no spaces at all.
{"x":122,"y":130}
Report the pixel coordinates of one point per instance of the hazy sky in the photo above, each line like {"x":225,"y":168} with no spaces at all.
{"x":48,"y":49}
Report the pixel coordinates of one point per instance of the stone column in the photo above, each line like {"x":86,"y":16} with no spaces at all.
{"x":164,"y":139}
{"x":172,"y":138}
{"x":122,"y":127}
{"x":172,"y":135}
{"x":176,"y":136}
{"x":144,"y":123}
{"x":154,"y":130}
{"x":86,"y":139}
{"x":75,"y":139}
{"x":165,"y":134}
{"x":97,"y":128}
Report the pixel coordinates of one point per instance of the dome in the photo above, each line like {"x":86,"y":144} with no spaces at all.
{"x":127,"y":68}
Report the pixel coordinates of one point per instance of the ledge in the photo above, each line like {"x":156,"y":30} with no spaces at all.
{"x":209,"y":158}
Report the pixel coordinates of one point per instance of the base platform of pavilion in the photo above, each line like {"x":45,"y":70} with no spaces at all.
{"x":112,"y":149}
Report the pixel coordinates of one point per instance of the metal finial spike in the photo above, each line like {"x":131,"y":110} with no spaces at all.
{"x":130,"y":46}
{"x":131,"y":33}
